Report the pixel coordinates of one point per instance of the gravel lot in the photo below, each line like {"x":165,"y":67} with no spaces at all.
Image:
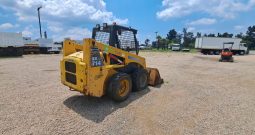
{"x":200,"y":96}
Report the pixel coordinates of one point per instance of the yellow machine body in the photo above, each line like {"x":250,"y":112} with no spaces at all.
{"x":86,"y":67}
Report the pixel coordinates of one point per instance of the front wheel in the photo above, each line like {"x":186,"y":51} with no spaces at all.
{"x":231,"y":59}
{"x":241,"y":53}
{"x":140,"y":79}
{"x":120,"y":86}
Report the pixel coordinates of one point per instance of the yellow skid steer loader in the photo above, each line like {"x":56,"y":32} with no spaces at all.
{"x":108,"y":63}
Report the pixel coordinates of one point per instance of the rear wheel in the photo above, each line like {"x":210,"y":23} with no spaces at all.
{"x":120,"y":86}
{"x":217,"y":52}
{"x":140,"y":79}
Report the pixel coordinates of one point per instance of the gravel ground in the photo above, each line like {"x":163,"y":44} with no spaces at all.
{"x":200,"y":96}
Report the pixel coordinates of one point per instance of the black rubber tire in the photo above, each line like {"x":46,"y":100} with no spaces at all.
{"x":231,"y":59}
{"x":248,"y":51}
{"x":113,"y":87}
{"x":217,"y":52}
{"x":241,"y":52}
{"x":140,"y":79}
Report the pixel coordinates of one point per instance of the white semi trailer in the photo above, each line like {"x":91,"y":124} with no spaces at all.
{"x":214,"y":45}
{"x":48,"y":46}
{"x":11,"y":44}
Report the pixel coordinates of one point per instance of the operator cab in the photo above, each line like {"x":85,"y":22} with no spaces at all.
{"x":226,"y":50}
{"x":117,"y":36}
{"x":227,"y":46}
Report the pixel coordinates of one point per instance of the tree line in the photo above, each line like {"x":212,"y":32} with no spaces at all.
{"x":188,"y":38}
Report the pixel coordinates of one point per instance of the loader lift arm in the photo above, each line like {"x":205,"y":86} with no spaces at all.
{"x":108,"y":52}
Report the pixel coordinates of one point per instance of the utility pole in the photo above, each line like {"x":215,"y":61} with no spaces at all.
{"x":156,"y":34}
{"x":38,"y":10}
{"x":157,"y":40}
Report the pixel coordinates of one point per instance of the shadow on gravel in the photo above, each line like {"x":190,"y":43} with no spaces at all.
{"x":96,"y":109}
{"x":10,"y":57}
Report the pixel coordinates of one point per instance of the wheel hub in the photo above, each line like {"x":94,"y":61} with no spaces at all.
{"x":124,"y":87}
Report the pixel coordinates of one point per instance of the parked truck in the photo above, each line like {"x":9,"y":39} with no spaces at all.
{"x":214,"y":45}
{"x":48,"y":46}
{"x":11,"y":44}
{"x":176,"y":47}
{"x":30,"y":46}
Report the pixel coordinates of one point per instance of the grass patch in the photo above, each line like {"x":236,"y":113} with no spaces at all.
{"x":193,"y":50}
{"x":169,"y":50}
{"x":156,"y":50}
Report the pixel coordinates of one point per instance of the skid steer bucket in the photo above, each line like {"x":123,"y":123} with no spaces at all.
{"x":154,"y":78}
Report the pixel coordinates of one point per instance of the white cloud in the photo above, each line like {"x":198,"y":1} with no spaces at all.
{"x":26,"y":33}
{"x":58,"y":32}
{"x":221,"y":8}
{"x":75,"y":33}
{"x":252,"y":2}
{"x":29,"y":31}
{"x":55,"y":27}
{"x":6,"y":26}
{"x":67,"y":10}
{"x":191,"y":29}
{"x":63,"y":18}
{"x":238,"y":27}
{"x":203,"y":21}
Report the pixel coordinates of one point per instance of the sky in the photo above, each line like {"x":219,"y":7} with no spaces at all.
{"x":76,"y":18}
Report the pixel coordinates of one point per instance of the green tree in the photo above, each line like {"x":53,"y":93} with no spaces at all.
{"x":185,"y":38}
{"x":146,"y":42}
{"x":159,"y":38}
{"x":188,"y":38}
{"x":199,"y":34}
{"x":227,"y":35}
{"x":164,"y":43}
{"x":240,"y":35}
{"x":178,"y":38}
{"x":250,"y":37}
{"x":211,"y":35}
{"x":172,"y":35}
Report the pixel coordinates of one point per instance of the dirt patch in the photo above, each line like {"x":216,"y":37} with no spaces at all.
{"x":207,"y":58}
{"x":50,"y":70}
{"x":200,"y":96}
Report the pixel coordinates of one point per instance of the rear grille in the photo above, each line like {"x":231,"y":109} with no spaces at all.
{"x":70,"y":72}
{"x":71,"y":78}
{"x":70,"y":67}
